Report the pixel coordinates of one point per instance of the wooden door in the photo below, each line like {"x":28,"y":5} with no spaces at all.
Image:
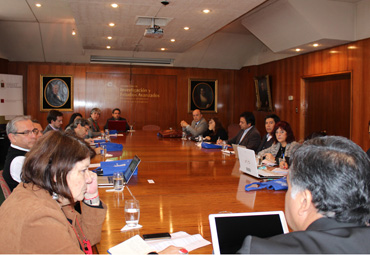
{"x":328,"y":104}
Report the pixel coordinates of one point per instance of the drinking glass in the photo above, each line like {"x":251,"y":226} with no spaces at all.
{"x":259,"y":160}
{"x":103,"y":151}
{"x":224,"y":146}
{"x":200,"y":138}
{"x":118,"y":181}
{"x":183,"y":135}
{"x":132,"y":212}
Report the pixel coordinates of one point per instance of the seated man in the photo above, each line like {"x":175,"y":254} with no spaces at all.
{"x":22,"y":136}
{"x":55,"y":120}
{"x":80,"y":128}
{"x":248,"y":136}
{"x":198,"y":126}
{"x":116,"y":116}
{"x":327,"y":203}
{"x":94,"y":117}
{"x":267,"y":141}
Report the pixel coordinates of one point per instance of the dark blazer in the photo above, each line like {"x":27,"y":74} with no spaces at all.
{"x":251,"y":140}
{"x":221,"y":133}
{"x":322,"y":236}
{"x":49,"y":128}
{"x":265,"y":144}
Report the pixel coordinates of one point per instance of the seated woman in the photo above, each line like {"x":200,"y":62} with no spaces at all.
{"x":284,"y":141}
{"x":215,"y":131}
{"x":74,"y":116}
{"x":39,"y":217}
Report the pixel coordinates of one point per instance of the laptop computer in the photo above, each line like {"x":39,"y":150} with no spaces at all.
{"x":119,"y":125}
{"x":229,"y":230}
{"x":248,"y":165}
{"x":128,"y":172}
{"x":235,"y":148}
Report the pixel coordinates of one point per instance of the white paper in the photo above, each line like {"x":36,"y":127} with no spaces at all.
{"x":134,"y":245}
{"x":180,"y":239}
{"x":94,"y":165}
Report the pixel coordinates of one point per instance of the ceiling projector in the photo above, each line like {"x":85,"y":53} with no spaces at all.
{"x":153,"y":32}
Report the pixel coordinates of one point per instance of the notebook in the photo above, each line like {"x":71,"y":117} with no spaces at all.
{"x":235,"y":148}
{"x":229,"y":230}
{"x":248,"y":165}
{"x":128,"y":172}
{"x":119,"y":125}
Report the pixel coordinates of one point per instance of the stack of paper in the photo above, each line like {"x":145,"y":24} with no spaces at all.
{"x":136,"y":245}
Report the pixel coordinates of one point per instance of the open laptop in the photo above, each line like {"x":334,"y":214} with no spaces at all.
{"x":235,"y":148}
{"x":127,"y":173}
{"x":119,"y":125}
{"x":229,"y":230}
{"x":248,"y":165}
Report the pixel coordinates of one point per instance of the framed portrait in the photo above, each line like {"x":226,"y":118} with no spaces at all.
{"x":202,"y":95}
{"x":56,"y":92}
{"x":263,"y":93}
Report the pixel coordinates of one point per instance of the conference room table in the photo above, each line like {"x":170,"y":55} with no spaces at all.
{"x":178,"y":185}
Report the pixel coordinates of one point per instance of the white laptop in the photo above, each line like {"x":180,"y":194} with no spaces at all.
{"x":229,"y":230}
{"x":235,"y":148}
{"x":248,"y":165}
{"x":128,"y":173}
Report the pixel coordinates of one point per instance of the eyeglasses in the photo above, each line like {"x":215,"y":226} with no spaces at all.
{"x":28,"y":132}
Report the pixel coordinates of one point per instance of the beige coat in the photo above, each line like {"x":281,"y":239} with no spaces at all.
{"x":32,"y":222}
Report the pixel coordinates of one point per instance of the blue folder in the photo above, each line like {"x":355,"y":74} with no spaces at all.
{"x":211,"y":146}
{"x":110,"y":146}
{"x":109,"y":167}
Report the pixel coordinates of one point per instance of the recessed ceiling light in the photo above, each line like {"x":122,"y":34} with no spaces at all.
{"x":163,"y":49}
{"x":73,"y":32}
{"x":109,"y":37}
{"x":186,"y":28}
{"x":108,"y":47}
{"x":297,"y":50}
{"x":114,"y":5}
{"x":112,"y":24}
{"x":206,"y":11}
{"x":173,"y":40}
{"x":38,"y":5}
{"x":315,"y":45}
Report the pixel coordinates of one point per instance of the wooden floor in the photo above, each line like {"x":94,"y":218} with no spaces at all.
{"x":189,"y":184}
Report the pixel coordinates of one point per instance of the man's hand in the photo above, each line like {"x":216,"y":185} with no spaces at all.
{"x":183,"y":123}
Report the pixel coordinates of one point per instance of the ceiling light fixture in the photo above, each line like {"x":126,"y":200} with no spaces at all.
{"x":108,"y":47}
{"x":114,"y":5}
{"x":109,"y":37}
{"x":73,"y":32}
{"x":173,"y":40}
{"x":38,"y":5}
{"x":112,"y":24}
{"x":163,"y":49}
{"x":186,"y":28}
{"x":206,"y":11}
{"x":297,"y":50}
{"x":315,"y":45}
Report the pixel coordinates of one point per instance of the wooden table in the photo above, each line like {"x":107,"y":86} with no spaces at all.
{"x":190,"y":183}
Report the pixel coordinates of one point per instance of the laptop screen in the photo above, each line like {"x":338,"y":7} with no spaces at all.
{"x":229,"y":230}
{"x":119,"y":125}
{"x":131,"y":168}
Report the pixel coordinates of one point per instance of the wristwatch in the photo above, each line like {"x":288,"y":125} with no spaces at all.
{"x":93,"y":201}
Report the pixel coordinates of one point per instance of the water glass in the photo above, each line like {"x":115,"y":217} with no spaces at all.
{"x":132,"y":212}
{"x":200,"y":138}
{"x":224,"y":146}
{"x":259,"y":160}
{"x":118,"y":181}
{"x":183,"y":135}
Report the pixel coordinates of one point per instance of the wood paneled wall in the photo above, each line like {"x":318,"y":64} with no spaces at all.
{"x":236,"y":91}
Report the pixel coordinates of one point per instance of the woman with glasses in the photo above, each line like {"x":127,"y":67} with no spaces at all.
{"x":284,"y":142}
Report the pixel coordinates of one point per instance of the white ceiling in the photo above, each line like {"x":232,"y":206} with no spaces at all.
{"x":234,"y":34}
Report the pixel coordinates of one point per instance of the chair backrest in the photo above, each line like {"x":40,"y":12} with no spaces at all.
{"x":151,"y":128}
{"x":233,"y":130}
{"x":4,"y":186}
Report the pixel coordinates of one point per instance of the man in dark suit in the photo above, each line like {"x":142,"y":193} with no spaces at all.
{"x":116,"y":115}
{"x":267,"y":141}
{"x":327,"y":203}
{"x":55,"y":120}
{"x":248,"y":136}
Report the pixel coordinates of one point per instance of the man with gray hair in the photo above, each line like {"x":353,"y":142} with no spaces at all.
{"x":327,"y":203}
{"x":22,"y":136}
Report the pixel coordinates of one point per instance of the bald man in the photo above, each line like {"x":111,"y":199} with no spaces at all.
{"x":198,"y":126}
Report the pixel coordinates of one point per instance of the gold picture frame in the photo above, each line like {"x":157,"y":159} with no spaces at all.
{"x":202,"y":95}
{"x":56,"y":92}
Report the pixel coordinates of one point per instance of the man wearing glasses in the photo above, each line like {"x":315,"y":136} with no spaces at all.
{"x":22,"y":136}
